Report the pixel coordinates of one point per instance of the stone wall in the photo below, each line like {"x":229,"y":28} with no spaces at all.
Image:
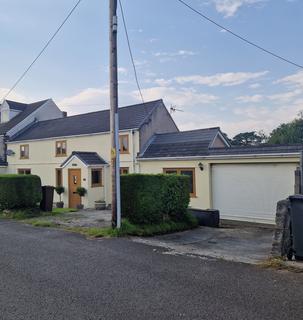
{"x":282,"y":237}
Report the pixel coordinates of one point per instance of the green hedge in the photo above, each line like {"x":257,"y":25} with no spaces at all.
{"x":152,"y":198}
{"x":19,"y":191}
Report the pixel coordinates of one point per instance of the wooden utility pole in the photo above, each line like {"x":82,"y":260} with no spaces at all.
{"x":114,"y":116}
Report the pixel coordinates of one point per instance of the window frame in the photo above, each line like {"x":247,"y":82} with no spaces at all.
{"x":121,"y":136}
{"x":124,"y":168}
{"x":26,"y":147}
{"x":59,"y":183}
{"x":100,"y":184}
{"x":178,"y":171}
{"x":22,"y":170}
{"x":56,"y":148}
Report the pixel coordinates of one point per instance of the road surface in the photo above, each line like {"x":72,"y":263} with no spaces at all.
{"x":52,"y":274}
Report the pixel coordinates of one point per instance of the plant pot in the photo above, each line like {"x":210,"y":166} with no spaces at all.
{"x":60,"y":204}
{"x":80,"y":206}
{"x":100,"y":205}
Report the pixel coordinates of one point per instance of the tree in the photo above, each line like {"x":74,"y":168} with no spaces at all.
{"x":286,"y":133}
{"x":250,"y":138}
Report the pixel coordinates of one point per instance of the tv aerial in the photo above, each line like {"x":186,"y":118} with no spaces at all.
{"x":174,"y":109}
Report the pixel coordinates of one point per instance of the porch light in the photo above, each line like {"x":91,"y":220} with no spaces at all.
{"x":200,"y":165}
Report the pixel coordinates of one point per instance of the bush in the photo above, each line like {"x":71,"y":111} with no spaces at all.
{"x":152,"y":198}
{"x":19,"y":191}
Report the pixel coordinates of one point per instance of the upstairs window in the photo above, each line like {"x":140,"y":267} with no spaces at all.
{"x":24,"y":151}
{"x":187,"y":172}
{"x":61,"y":148}
{"x":123,"y":141}
{"x":96,"y":178}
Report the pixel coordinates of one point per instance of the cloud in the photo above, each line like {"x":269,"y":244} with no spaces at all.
{"x":122,"y":70}
{"x":221,"y":79}
{"x":180,"y":97}
{"x":175,"y":54}
{"x":230,"y":7}
{"x":295,"y":79}
{"x":255,"y":85}
{"x":13,"y":96}
{"x":285,"y":96}
{"x":250,"y":99}
{"x":171,"y":56}
{"x":93,"y":99}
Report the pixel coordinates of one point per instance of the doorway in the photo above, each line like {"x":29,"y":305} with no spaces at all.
{"x":74,"y":181}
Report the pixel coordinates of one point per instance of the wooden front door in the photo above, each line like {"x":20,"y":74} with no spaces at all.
{"x":74,"y":181}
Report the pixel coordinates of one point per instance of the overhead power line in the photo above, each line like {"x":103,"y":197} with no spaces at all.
{"x":130,"y":52}
{"x":240,"y":37}
{"x":42,"y":50}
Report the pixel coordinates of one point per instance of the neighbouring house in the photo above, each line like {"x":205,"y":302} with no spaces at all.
{"x":244,"y":183}
{"x":16,"y":116}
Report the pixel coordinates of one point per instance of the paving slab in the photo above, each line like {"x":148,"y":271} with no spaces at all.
{"x":242,"y":244}
{"x":82,"y":218}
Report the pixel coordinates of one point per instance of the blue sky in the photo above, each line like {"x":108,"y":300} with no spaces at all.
{"x":214,"y":78}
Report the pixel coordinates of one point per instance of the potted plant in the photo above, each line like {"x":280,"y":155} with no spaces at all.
{"x":59,"y":191}
{"x":100,"y":205}
{"x":81,"y":192}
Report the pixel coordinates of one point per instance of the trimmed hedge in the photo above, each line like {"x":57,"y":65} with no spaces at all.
{"x":19,"y":191}
{"x":153,"y":198}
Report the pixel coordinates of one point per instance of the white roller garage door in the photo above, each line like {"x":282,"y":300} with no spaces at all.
{"x":250,"y":192}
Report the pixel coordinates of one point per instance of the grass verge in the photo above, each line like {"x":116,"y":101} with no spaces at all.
{"x":24,"y":214}
{"x":129,"y":229}
{"x":279,"y":264}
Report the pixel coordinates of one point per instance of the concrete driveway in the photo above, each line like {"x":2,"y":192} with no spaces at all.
{"x":240,"y":244}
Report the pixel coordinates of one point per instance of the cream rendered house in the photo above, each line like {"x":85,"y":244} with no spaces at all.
{"x":75,"y":151}
{"x":244,"y":183}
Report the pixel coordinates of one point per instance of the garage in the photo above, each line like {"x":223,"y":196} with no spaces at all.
{"x":250,"y":192}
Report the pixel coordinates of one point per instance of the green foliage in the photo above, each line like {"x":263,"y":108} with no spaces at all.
{"x":251,"y":138}
{"x":59,"y":191}
{"x":63,"y":210}
{"x":150,"y":199}
{"x":19,"y":191}
{"x":130,"y":229}
{"x":81,"y":191}
{"x":287,"y":133}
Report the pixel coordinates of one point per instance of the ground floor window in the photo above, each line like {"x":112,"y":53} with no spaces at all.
{"x":24,"y":171}
{"x":58,"y":177}
{"x":124,"y":170}
{"x":96,"y":177}
{"x":185,"y":171}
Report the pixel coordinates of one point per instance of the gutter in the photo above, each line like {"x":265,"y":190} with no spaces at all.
{"x":226,"y":157}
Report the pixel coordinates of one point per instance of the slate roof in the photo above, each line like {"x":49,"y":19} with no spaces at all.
{"x":16,"y":105}
{"x":130,"y":117}
{"x":181,"y":144}
{"x":28,"y":109}
{"x":201,"y":148}
{"x":88,"y":158}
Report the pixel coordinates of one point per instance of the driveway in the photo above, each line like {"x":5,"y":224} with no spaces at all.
{"x":241,"y":244}
{"x":50,"y":274}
